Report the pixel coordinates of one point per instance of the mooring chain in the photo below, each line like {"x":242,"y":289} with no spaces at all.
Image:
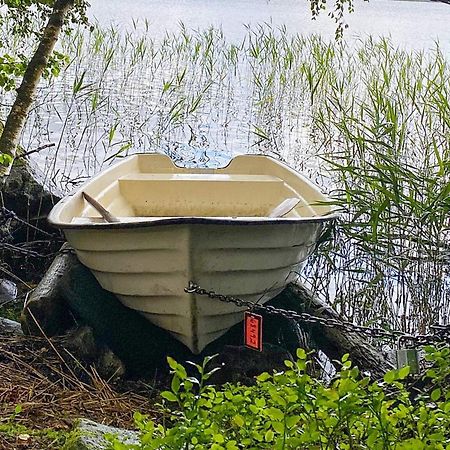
{"x":441,"y":333}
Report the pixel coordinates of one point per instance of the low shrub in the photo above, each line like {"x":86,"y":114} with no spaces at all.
{"x":292,"y":410}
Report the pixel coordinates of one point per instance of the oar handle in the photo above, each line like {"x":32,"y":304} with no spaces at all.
{"x":100,"y":209}
{"x":284,"y":207}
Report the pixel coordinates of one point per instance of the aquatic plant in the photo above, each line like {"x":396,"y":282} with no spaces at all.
{"x":369,"y":122}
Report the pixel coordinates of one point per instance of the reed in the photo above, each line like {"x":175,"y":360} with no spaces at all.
{"x":368,"y":122}
{"x":385,"y":136}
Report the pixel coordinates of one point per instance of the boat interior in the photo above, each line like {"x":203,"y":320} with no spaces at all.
{"x":148,"y":186}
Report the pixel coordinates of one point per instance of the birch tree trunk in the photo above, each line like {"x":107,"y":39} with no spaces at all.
{"x":27,"y":89}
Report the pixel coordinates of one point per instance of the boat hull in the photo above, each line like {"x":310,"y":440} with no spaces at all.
{"x":148,"y":269}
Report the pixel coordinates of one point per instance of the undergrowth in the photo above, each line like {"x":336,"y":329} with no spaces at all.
{"x":292,"y":410}
{"x":12,"y":432}
{"x":11,"y":311}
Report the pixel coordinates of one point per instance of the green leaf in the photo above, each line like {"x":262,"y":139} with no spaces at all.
{"x":5,"y":159}
{"x":373,"y":435}
{"x":170,"y":396}
{"x":175,"y":385}
{"x":403,"y":372}
{"x":172,"y":363}
{"x":278,"y":427}
{"x":435,"y":395}
{"x":269,"y":436}
{"x":239,"y":420}
{"x":292,"y":421}
{"x":260,"y":402}
{"x":275,"y":413}
{"x":390,"y":376}
{"x":263,"y":377}
{"x":219,"y":438}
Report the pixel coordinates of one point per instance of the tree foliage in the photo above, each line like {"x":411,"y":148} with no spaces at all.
{"x":22,"y":21}
{"x":337,"y":13}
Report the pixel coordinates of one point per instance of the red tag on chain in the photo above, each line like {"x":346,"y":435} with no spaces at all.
{"x":253,"y":331}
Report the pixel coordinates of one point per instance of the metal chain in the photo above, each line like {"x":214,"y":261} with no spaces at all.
{"x":441,"y":333}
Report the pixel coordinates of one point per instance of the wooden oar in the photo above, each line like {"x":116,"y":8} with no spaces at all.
{"x":284,"y":207}
{"x":100,"y":209}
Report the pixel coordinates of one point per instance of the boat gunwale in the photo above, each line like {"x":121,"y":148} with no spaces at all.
{"x":196,"y":221}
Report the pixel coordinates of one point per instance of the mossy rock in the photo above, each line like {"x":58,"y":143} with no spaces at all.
{"x":90,"y":435}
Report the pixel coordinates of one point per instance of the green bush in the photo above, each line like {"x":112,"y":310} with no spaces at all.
{"x":291,"y":410}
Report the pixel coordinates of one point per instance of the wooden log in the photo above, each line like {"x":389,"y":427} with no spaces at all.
{"x":335,"y":342}
{"x":46,"y":309}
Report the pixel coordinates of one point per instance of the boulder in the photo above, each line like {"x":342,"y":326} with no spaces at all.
{"x":90,"y":435}
{"x":26,"y":236}
{"x":10,"y":326}
{"x":8,"y":291}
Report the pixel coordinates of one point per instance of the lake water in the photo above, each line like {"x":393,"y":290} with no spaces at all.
{"x":129,"y":111}
{"x":414,"y":25}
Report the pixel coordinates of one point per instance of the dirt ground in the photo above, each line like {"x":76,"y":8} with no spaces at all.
{"x":44,"y":388}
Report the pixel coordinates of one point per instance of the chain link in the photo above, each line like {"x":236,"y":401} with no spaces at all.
{"x":441,"y":333}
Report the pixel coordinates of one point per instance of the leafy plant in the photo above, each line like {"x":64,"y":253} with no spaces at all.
{"x":292,"y":410}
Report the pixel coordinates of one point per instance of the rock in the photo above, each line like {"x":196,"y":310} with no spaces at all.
{"x":90,"y":435}
{"x":23,"y":223}
{"x":82,"y":342}
{"x":10,"y":326}
{"x":241,"y":364}
{"x":8,"y":291}
{"x":109,"y":366}
{"x":24,"y":194}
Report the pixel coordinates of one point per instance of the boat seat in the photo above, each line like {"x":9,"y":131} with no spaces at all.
{"x":202,"y":194}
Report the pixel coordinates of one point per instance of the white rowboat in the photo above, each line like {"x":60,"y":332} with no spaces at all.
{"x":241,"y":230}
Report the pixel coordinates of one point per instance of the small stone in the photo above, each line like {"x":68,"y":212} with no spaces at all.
{"x":8,"y":291}
{"x":24,"y":437}
{"x":91,"y":436}
{"x":81,"y":341}
{"x":10,"y":326}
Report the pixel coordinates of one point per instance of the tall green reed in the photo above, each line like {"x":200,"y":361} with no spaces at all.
{"x":386,"y":139}
{"x":368,"y":122}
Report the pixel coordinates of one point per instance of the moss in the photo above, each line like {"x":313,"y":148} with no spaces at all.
{"x":46,"y":438}
{"x":11,"y":311}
